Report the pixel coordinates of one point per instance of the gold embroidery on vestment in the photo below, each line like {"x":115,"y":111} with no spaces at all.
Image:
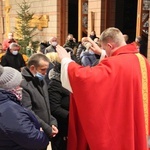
{"x":144,"y":90}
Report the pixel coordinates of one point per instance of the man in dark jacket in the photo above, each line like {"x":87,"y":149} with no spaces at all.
{"x":13,"y":58}
{"x":43,"y":45}
{"x":70,"y":42}
{"x":35,"y":92}
{"x":53,"y":43}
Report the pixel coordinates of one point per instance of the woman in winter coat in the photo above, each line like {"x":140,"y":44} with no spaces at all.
{"x":59,"y":98}
{"x":19,"y":128}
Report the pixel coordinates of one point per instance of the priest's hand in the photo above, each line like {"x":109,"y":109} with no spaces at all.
{"x":95,"y":48}
{"x":62,"y":53}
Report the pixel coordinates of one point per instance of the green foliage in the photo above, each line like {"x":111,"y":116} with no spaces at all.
{"x":23,"y":31}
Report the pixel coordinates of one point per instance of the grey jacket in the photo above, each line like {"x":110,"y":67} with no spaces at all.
{"x":50,"y":49}
{"x":35,"y":98}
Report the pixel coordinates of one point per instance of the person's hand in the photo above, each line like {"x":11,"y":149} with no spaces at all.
{"x":54,"y":131}
{"x":62,"y":53}
{"x":95,"y":48}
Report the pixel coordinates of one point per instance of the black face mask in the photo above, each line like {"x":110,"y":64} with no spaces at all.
{"x":70,"y":40}
{"x":92,"y":37}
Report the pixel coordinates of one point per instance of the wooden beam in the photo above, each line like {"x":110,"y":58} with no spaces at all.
{"x":62,"y":20}
{"x":79,"y":20}
{"x":92,"y":20}
{"x":106,"y":14}
{"x":139,"y":18}
{"x":7,"y":17}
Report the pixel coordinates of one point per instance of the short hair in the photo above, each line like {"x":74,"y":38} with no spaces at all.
{"x":13,"y":45}
{"x":112,"y":34}
{"x":93,"y":32}
{"x":126,"y":37}
{"x":35,"y":59}
{"x":10,"y":33}
{"x":70,"y":35}
{"x":51,"y":38}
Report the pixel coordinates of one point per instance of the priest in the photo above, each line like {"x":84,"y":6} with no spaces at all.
{"x":109,"y":108}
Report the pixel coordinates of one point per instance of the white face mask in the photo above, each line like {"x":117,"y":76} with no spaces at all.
{"x":14,"y":52}
{"x":54,"y":43}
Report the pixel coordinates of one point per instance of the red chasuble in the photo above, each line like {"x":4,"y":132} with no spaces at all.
{"x":106,"y":110}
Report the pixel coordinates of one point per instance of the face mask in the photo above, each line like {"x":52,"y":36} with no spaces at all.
{"x":17,"y":92}
{"x":91,"y":52}
{"x":92,"y":37}
{"x":40,"y":76}
{"x":14,"y":52}
{"x":71,"y":40}
{"x":54,"y":43}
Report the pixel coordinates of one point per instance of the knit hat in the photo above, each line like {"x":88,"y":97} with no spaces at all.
{"x":9,"y":78}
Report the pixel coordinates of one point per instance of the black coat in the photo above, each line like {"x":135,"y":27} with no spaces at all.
{"x":59,"y":103}
{"x":14,"y":61}
{"x":19,"y":128}
{"x":35,"y":98}
{"x":79,"y":51}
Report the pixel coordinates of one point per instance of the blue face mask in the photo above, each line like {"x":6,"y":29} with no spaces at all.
{"x":40,"y":76}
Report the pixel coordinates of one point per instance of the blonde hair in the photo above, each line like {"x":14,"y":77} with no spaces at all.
{"x":112,"y":35}
{"x":126,"y":37}
{"x":53,"y":57}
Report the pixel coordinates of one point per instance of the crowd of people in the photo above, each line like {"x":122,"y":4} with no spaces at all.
{"x":92,"y":95}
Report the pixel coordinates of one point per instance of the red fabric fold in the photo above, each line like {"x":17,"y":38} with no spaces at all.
{"x":106,"y":110}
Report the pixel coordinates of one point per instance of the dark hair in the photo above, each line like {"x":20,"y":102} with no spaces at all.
{"x":35,"y":59}
{"x":69,"y":49}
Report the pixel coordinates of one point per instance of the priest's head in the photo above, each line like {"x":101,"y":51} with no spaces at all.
{"x":111,"y":39}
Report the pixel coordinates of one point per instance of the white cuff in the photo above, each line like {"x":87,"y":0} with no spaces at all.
{"x":64,"y":73}
{"x":103,"y":55}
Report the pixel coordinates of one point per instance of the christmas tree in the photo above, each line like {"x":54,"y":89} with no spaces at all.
{"x":23,"y":31}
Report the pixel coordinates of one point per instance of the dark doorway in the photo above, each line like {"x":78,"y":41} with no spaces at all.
{"x":73,"y":17}
{"x":126,"y":14}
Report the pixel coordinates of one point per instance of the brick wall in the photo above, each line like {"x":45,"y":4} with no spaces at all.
{"x":58,"y":26}
{"x":94,"y":8}
{"x":44,"y":7}
{"x":103,"y":15}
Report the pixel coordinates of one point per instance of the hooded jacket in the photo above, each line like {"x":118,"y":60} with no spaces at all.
{"x":19,"y":128}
